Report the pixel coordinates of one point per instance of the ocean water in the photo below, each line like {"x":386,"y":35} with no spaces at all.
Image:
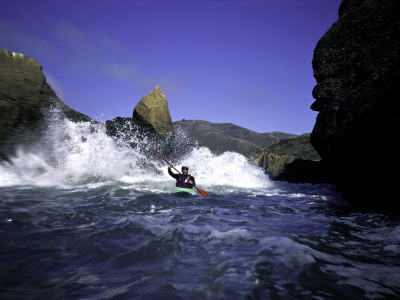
{"x":82,"y":216}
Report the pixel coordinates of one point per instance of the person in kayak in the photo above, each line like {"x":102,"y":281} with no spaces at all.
{"x":183,"y":180}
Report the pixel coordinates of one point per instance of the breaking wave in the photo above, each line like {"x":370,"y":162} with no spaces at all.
{"x":73,"y":154}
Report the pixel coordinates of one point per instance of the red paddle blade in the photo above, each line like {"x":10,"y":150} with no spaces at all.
{"x":202,"y":193}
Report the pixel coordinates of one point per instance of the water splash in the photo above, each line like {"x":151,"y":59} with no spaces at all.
{"x":229,"y":169}
{"x":82,"y":154}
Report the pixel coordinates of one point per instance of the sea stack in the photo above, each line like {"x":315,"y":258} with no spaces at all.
{"x":152,"y":113}
{"x":357,"y":68}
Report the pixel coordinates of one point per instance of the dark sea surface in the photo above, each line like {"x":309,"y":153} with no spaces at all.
{"x":80,"y":218}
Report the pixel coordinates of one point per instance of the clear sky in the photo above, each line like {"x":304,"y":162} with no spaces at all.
{"x":246,"y":62}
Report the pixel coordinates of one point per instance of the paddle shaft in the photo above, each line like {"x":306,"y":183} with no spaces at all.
{"x":168,"y":162}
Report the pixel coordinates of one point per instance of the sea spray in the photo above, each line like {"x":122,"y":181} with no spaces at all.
{"x":228,"y":170}
{"x":70,"y":154}
{"x":82,"y":154}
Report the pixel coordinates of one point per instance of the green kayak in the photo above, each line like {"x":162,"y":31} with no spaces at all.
{"x":184,"y":191}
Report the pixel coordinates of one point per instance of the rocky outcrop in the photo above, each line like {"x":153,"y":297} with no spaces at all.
{"x":357,"y":68}
{"x":24,"y":97}
{"x":221,"y":137}
{"x":293,"y":160}
{"x":151,"y":119}
{"x":152,"y":113}
{"x":151,"y":122}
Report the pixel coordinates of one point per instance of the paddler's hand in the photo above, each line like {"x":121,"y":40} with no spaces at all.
{"x":190,"y":182}
{"x":170,"y":166}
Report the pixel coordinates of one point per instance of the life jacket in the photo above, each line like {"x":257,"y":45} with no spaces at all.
{"x":183,"y":181}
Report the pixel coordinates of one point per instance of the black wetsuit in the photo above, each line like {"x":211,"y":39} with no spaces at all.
{"x":182,"y":180}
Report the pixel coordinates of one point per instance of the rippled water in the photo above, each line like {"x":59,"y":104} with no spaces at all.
{"x":118,"y":242}
{"x":85,"y":221}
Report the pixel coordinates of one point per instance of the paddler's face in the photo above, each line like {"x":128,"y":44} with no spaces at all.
{"x":185,"y":172}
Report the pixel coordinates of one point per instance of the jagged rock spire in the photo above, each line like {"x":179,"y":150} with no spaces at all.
{"x":152,"y":111}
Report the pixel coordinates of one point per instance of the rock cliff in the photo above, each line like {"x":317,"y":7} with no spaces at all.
{"x":24,"y":96}
{"x":357,"y":68}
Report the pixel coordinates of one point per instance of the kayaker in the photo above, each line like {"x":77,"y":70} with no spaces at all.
{"x":183,"y":180}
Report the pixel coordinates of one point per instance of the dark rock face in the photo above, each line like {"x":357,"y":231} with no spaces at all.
{"x":293,"y":160}
{"x":24,"y":96}
{"x":119,"y":127}
{"x":221,"y":137}
{"x":357,"y":68}
{"x":127,"y":132}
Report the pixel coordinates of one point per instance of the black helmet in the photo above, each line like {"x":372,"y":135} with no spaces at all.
{"x":185,"y":168}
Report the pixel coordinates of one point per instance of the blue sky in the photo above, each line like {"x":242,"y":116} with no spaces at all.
{"x":246,"y":62}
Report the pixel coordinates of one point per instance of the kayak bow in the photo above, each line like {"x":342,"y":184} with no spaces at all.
{"x":179,"y":190}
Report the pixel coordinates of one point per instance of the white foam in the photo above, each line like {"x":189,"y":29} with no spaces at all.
{"x":82,"y":154}
{"x":229,"y":169}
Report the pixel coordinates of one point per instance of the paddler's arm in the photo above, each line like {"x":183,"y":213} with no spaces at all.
{"x":176,"y":176}
{"x":192,"y":182}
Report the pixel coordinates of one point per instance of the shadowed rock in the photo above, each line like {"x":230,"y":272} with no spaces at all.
{"x":357,"y":68}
